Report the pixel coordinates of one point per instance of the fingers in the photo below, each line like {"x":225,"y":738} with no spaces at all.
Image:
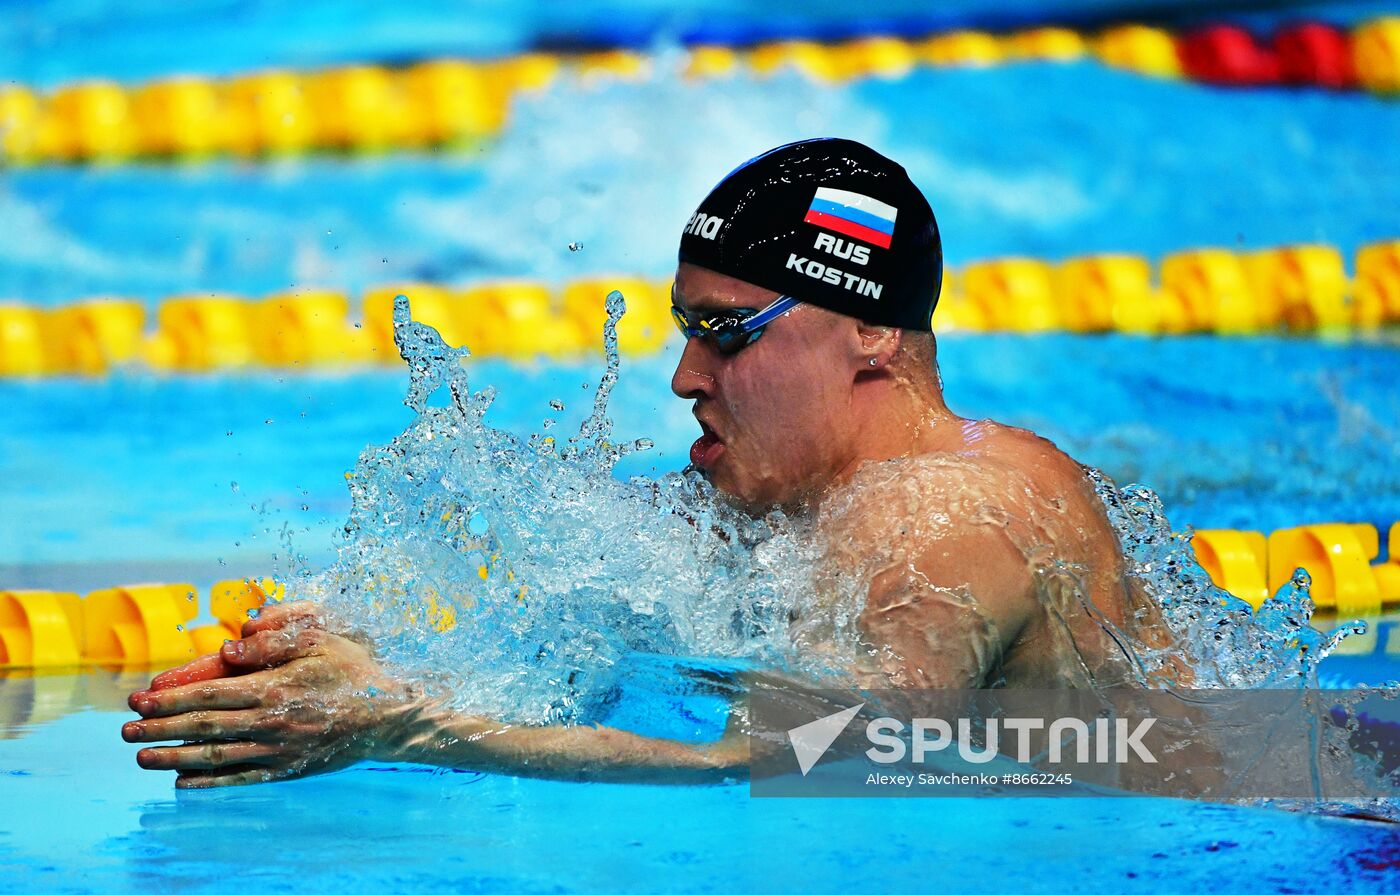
{"x":242,"y":692}
{"x":279,"y":615}
{"x":231,"y":776}
{"x":207,"y":756}
{"x":238,"y":725}
{"x":202,"y":669}
{"x":272,"y":647}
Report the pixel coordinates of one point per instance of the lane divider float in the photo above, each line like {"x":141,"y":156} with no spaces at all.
{"x":460,"y":102}
{"x":145,"y":624}
{"x":1337,"y":555}
{"x":1293,"y":289}
{"x":133,"y":624}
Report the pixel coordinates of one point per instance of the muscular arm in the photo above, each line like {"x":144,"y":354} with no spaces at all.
{"x":940,"y":541}
{"x":1019,"y":562}
{"x":433,"y":734}
{"x":945,"y":618}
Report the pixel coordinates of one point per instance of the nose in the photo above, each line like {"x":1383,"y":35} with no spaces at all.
{"x":693,"y":377}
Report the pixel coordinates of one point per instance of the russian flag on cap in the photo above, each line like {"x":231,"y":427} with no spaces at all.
{"x":854,"y":215}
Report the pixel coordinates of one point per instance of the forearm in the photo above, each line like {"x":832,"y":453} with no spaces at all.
{"x":426,"y":732}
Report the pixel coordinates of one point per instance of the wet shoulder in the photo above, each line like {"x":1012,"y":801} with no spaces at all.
{"x":993,"y":475}
{"x":1033,"y":466}
{"x":917,"y":499}
{"x":1062,"y":517}
{"x":1013,"y":449}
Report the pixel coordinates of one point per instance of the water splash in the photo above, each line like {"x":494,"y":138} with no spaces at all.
{"x":516,"y":574}
{"x":522,"y":579}
{"x":1224,"y":642}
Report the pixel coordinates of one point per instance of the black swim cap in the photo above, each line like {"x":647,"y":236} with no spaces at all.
{"x":831,"y":222}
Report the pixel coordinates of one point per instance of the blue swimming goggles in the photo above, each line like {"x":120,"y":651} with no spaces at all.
{"x":734,"y":329}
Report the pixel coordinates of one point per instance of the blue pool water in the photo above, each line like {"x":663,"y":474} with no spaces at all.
{"x":197,"y":478}
{"x":53,"y":41}
{"x":1046,"y":160}
{"x":81,"y":817}
{"x":1252,"y":433}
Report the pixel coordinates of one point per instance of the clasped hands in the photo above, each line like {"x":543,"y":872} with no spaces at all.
{"x":289,"y":698}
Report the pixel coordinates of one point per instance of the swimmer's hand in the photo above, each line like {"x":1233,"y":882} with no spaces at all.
{"x":299,"y":700}
{"x":292,"y":699}
{"x":228,"y":661}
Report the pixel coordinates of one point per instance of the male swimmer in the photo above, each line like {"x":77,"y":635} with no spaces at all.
{"x":805,"y":288}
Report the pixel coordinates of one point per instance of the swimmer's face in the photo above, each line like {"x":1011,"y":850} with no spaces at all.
{"x":776,"y":417}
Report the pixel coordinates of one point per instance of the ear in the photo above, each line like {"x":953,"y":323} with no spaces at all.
{"x":876,"y":345}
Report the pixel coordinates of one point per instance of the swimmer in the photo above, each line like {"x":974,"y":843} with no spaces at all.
{"x":806,"y":284}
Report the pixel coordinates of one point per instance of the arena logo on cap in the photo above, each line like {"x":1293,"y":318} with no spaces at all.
{"x":853,"y":214}
{"x":704,"y":225}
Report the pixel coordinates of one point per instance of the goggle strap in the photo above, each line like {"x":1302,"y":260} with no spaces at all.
{"x":768,"y":314}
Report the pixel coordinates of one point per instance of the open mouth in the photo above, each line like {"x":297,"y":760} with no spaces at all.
{"x":706,"y":449}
